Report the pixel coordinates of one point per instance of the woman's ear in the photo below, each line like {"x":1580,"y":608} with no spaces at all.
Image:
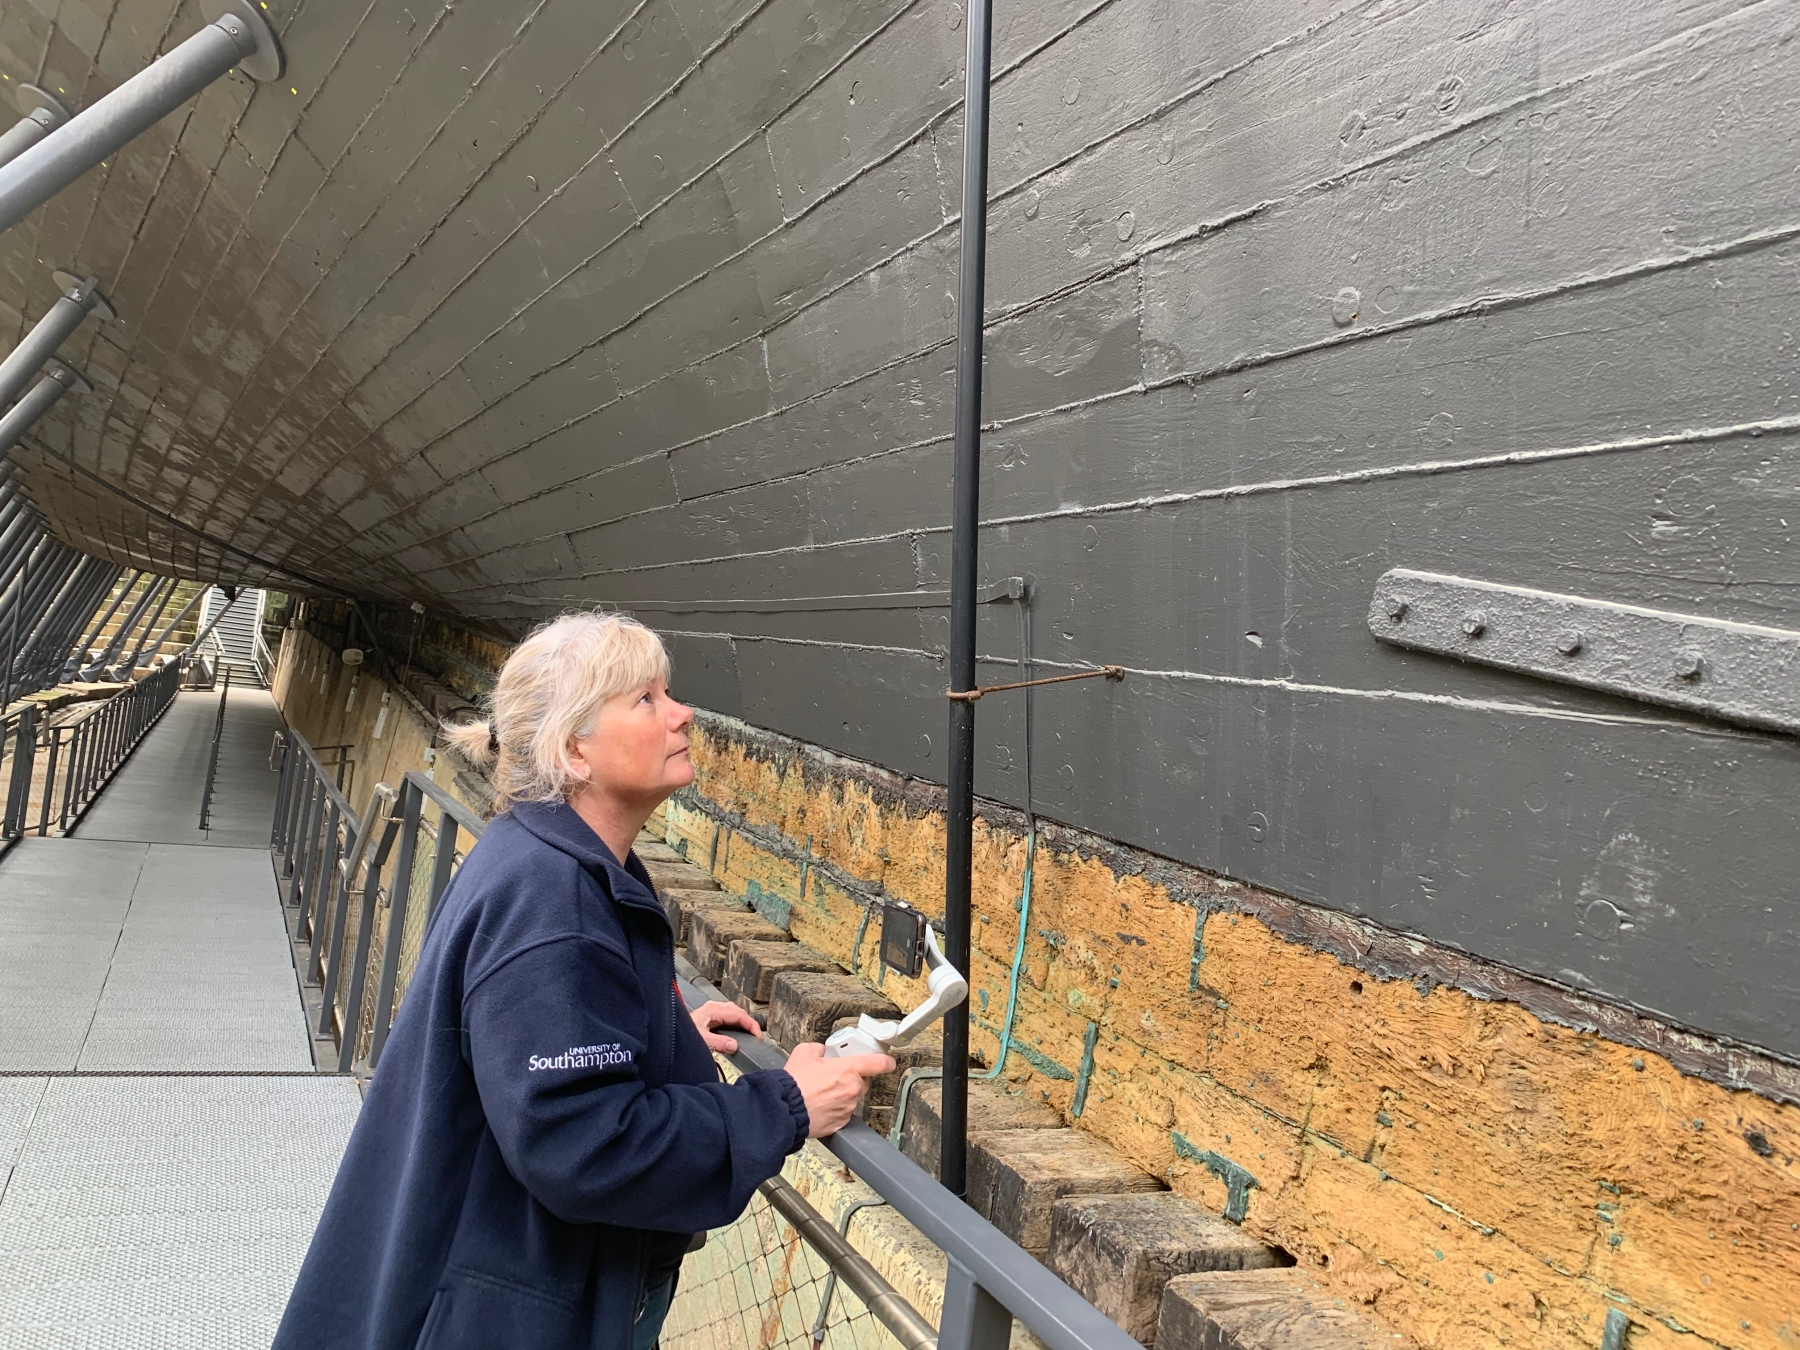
{"x":576,"y":763}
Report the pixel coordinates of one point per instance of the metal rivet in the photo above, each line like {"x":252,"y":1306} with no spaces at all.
{"x":1570,"y":641}
{"x":1687,"y":665}
{"x":1396,"y":607}
{"x":1474,"y":623}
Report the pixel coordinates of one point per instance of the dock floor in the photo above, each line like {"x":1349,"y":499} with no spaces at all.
{"x":165,"y":1146}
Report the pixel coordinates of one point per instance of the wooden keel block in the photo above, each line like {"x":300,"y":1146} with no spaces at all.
{"x":711,"y":933}
{"x":679,"y":876}
{"x":1120,"y":1251}
{"x":1262,"y":1310}
{"x":805,"y":1005}
{"x":991,"y":1108}
{"x":679,"y":906}
{"x":655,"y":851}
{"x":1017,"y":1176}
{"x":751,"y":968}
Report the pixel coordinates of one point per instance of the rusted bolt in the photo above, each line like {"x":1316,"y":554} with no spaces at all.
{"x":1688,"y":665}
{"x":1570,"y":641}
{"x":1474,"y":623}
{"x":1396,"y":607}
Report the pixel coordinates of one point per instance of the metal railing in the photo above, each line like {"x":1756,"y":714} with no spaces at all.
{"x":56,"y":771}
{"x":989,"y":1279}
{"x":361,"y":899}
{"x":364,"y":905}
{"x":212,"y":754}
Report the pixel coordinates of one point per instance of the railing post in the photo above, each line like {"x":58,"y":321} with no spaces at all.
{"x":399,"y":894}
{"x":296,"y":856}
{"x":331,"y":881}
{"x":283,"y":782}
{"x":973,"y":1318}
{"x":77,"y":751}
{"x":441,"y":862}
{"x":365,"y":931}
{"x":296,"y":807}
{"x":49,"y":782}
{"x":18,"y":791}
{"x":325,"y":828}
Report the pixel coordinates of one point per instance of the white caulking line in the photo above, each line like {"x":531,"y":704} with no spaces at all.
{"x":1504,"y":707}
{"x":1423,"y":468}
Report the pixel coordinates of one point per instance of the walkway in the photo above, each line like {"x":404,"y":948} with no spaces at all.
{"x":164,"y":1144}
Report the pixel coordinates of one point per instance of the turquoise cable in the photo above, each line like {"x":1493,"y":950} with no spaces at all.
{"x":1024,"y":905}
{"x":1018,"y":961}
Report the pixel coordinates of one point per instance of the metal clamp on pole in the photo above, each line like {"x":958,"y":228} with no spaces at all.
{"x":44,"y":113}
{"x":80,"y":298}
{"x":236,"y":36}
{"x":58,"y":380}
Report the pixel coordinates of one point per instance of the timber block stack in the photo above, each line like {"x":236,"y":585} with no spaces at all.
{"x":1119,"y":1252}
{"x":751,"y":967}
{"x":679,"y":907}
{"x":992,"y":1108}
{"x":713,"y":932}
{"x":1262,"y":1310}
{"x":805,"y":1005}
{"x":678,"y":876}
{"x":1017,"y":1176}
{"x":651,"y":849}
{"x":1170,"y":1273}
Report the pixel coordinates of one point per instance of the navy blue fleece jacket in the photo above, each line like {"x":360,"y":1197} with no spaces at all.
{"x":546,"y":1124}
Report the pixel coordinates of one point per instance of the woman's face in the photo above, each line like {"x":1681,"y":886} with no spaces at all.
{"x":638,"y":749}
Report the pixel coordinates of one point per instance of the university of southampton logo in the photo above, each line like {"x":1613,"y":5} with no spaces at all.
{"x":581,"y":1057}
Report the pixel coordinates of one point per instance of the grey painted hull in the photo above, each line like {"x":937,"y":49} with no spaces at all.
{"x":506,"y":308}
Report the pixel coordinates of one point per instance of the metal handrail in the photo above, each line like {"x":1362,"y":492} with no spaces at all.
{"x":321,"y":844}
{"x":990,"y":1279}
{"x":212,"y":756}
{"x":88,"y":752}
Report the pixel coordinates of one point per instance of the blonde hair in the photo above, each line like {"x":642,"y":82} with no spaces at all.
{"x":549,"y":692}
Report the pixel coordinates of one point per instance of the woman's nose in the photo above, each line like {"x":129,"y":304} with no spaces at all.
{"x":682,"y":715}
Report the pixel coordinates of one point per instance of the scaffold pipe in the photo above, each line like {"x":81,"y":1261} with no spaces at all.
{"x":80,"y":298}
{"x":237,"y":36}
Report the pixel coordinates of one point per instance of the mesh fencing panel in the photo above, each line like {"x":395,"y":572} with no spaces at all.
{"x":757,"y":1285}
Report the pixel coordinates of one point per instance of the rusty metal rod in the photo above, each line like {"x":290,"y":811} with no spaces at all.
{"x":852,"y":1267}
{"x":970,"y":695}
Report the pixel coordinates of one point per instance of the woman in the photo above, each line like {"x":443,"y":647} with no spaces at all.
{"x":548,"y":1130}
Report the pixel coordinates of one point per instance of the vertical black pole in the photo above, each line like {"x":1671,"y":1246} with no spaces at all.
{"x":959,"y":843}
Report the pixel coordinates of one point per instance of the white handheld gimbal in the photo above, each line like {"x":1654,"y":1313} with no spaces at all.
{"x":876,"y":1036}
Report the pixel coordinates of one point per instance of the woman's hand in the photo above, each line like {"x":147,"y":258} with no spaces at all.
{"x":715,"y":1014}
{"x":832,"y":1087}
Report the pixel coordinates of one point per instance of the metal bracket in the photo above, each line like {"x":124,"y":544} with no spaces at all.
{"x":266,"y":60}
{"x":84,"y":290}
{"x":1735,"y":671}
{"x":32,"y":101}
{"x":67,"y":376}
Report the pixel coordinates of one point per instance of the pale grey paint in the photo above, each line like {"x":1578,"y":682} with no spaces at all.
{"x":506,"y":308}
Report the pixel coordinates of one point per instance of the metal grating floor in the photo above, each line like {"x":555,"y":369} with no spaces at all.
{"x":119,"y":956}
{"x":155,"y":797}
{"x":147,"y":1200}
{"x":162,"y":1212}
